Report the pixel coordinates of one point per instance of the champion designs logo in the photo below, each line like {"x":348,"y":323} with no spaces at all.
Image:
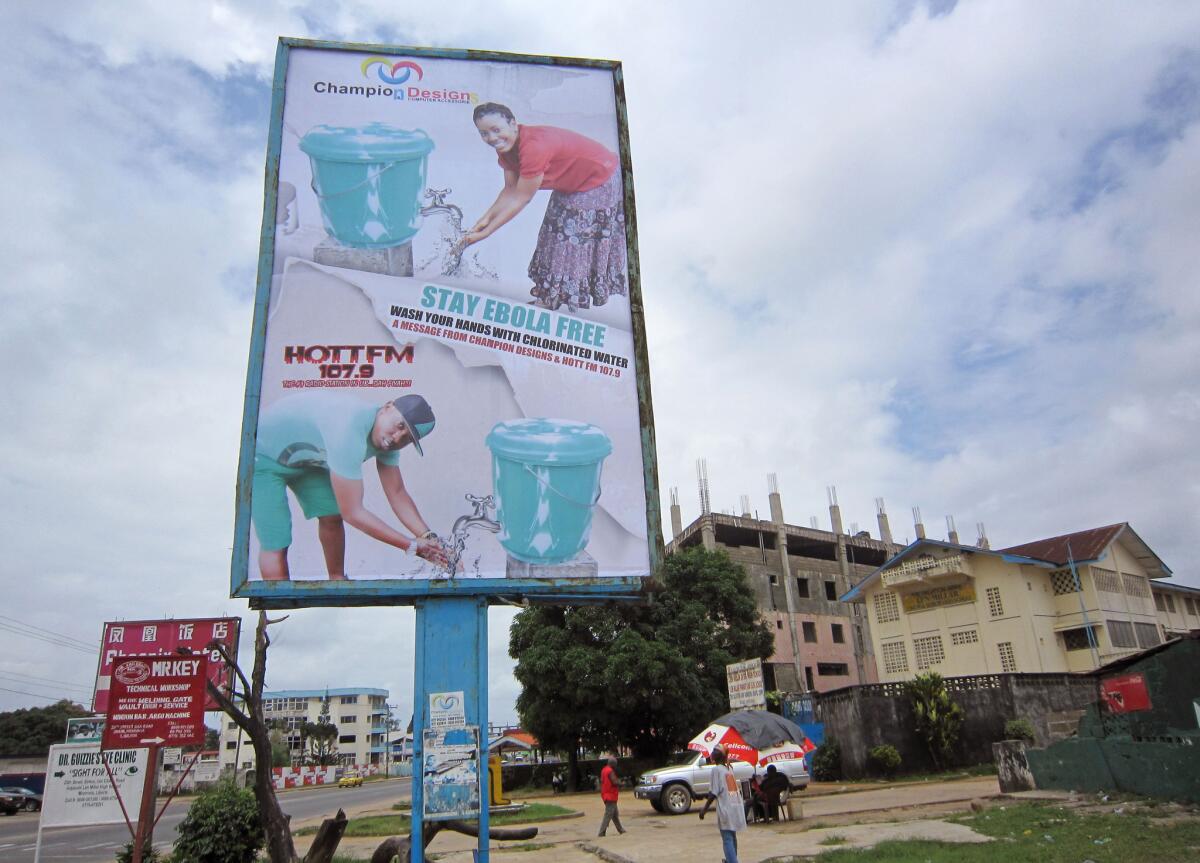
{"x":389,"y":72}
{"x":389,"y":78}
{"x":444,"y":702}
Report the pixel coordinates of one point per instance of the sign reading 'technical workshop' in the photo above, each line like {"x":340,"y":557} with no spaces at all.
{"x":156,"y":700}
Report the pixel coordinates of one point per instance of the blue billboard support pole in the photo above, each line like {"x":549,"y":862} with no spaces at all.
{"x":451,"y":656}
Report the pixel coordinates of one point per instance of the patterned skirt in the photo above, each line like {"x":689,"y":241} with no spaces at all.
{"x":580,"y":254}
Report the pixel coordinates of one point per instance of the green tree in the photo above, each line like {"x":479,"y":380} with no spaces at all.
{"x":938,"y":718}
{"x":33,"y":730}
{"x":643,"y":676}
{"x":320,"y":738}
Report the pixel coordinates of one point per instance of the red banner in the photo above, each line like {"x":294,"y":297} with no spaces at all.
{"x":165,"y":638}
{"x":156,"y":700}
{"x":1125,"y":694}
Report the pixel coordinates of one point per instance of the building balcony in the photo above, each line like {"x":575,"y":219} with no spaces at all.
{"x":927,"y":571}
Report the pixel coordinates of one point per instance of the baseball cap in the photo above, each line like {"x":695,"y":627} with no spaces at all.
{"x":417,"y":416}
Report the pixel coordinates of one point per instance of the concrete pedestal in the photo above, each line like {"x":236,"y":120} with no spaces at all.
{"x":582,"y":565}
{"x":392,"y":261}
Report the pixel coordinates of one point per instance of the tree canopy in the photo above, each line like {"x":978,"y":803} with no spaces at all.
{"x":33,"y":730}
{"x":643,"y":676}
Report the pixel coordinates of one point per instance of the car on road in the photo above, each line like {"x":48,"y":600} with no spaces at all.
{"x":10,"y":804}
{"x":28,"y":799}
{"x":350,"y":780}
{"x":671,"y":789}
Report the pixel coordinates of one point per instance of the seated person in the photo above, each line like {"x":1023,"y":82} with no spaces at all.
{"x":772,"y":786}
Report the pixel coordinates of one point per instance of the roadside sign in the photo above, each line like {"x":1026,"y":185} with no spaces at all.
{"x":165,"y":638}
{"x":156,"y":700}
{"x":85,"y":729}
{"x":746,"y":688}
{"x":78,"y":790}
{"x":172,"y":755}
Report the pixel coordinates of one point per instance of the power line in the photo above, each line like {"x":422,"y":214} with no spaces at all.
{"x":30,"y":678}
{"x":37,"y":694}
{"x":61,"y":635}
{"x":58,"y":642}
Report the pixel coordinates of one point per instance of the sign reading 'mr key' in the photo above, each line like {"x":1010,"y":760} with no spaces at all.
{"x":156,"y":700}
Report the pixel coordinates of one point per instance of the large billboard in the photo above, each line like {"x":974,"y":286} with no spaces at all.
{"x":447,"y":389}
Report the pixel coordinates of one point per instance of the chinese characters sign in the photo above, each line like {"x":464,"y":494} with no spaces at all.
{"x":165,"y":638}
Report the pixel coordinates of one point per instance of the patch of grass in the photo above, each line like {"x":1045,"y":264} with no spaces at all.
{"x":527,"y":846}
{"x":394,"y":825}
{"x":403,"y":805}
{"x":1046,"y":834}
{"x":834,"y":840}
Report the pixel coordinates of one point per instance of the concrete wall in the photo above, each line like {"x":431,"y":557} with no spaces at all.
{"x":862,"y":717}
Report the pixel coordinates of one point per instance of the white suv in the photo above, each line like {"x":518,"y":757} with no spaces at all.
{"x":672,"y":789}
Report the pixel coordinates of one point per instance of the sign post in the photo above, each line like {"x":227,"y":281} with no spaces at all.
{"x":155,"y":700}
{"x":746,"y":689}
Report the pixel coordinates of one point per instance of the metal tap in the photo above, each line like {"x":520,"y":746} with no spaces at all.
{"x":439,"y":205}
{"x":479,"y":518}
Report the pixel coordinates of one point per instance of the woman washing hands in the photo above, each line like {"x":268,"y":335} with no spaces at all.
{"x":580,"y":255}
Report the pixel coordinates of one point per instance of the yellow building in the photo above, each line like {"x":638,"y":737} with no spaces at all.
{"x":1178,"y":608}
{"x":1068,"y":603}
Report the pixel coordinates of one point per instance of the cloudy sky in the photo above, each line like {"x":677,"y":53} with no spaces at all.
{"x":941,"y":253}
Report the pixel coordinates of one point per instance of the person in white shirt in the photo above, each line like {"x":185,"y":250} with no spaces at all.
{"x":731,"y":813}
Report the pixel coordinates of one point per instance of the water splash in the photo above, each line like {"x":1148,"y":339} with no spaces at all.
{"x":448,"y":254}
{"x":455,"y":545}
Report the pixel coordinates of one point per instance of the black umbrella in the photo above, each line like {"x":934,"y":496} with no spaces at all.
{"x":761,"y":728}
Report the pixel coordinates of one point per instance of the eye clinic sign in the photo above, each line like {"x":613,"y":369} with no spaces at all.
{"x":78,"y":788}
{"x":156,"y":700}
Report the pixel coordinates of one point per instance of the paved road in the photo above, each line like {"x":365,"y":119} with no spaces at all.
{"x":98,"y":844}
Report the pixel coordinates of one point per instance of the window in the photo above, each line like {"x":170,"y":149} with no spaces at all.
{"x":995,"y":606}
{"x":348,"y":738}
{"x":349,"y":699}
{"x":1008,"y":660}
{"x":779,"y":624}
{"x":832,"y":669}
{"x":1136,"y":586}
{"x":231,"y":726}
{"x":1076,"y":639}
{"x":1106,"y":580}
{"x":810,"y":632}
{"x":966,"y":636}
{"x":1170,"y":600}
{"x":838,"y":634}
{"x":231,"y":744}
{"x":1147,"y":634}
{"x":802,"y":588}
{"x":895,"y":659}
{"x":1191,"y":604}
{"x":887,"y":610}
{"x":928,"y":652}
{"x":831,"y":590}
{"x":1120,"y":633}
{"x":1063,"y":581}
{"x":1159,"y":603}
{"x":347,"y":720}
{"x":774,"y":579}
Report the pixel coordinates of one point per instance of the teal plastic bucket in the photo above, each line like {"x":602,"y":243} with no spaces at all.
{"x":546,"y":481}
{"x":369,"y":180}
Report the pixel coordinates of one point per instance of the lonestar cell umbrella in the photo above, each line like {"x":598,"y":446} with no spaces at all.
{"x":760,"y":728}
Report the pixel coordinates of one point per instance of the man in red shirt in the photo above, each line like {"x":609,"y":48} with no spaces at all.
{"x":609,"y":792}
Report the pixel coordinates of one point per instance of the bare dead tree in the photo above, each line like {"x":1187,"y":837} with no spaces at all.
{"x":250,"y":718}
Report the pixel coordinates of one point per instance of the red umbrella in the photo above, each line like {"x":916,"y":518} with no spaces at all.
{"x":728,"y":738}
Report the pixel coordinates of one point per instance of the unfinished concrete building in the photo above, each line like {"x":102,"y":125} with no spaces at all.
{"x":797,"y":574}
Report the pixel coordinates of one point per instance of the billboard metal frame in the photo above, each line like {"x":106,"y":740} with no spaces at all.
{"x":298,"y":594}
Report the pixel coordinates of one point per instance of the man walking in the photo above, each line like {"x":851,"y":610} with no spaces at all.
{"x":731,"y":814}
{"x":315,"y":444}
{"x":609,"y":792}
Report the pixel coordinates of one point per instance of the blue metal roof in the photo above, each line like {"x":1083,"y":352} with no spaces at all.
{"x":321,"y":693}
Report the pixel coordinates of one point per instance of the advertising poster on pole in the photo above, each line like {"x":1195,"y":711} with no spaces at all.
{"x":79,"y":791}
{"x":167,"y":638}
{"x":451,"y":773}
{"x":447,"y":389}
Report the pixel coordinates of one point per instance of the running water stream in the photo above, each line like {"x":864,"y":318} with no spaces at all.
{"x":449,"y":253}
